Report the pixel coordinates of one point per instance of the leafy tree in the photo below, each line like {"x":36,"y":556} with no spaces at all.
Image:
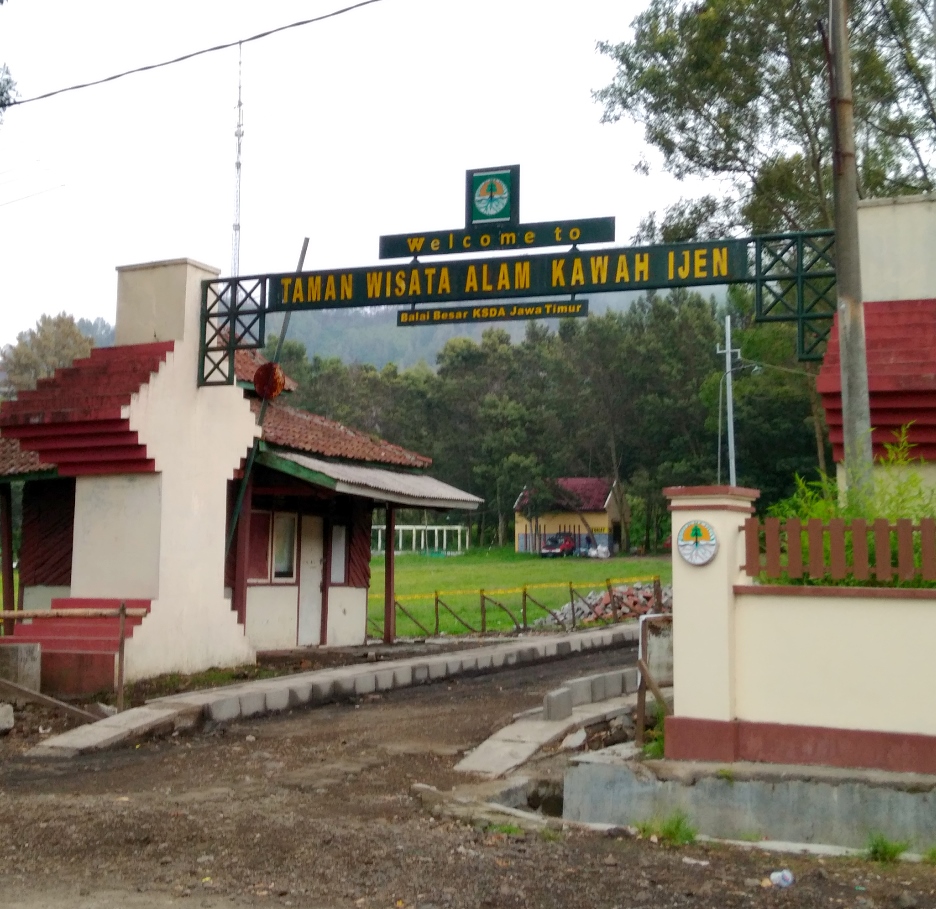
{"x":54,"y":342}
{"x":7,"y":86}
{"x":738,"y":89}
{"x":100,"y":331}
{"x":506,"y":464}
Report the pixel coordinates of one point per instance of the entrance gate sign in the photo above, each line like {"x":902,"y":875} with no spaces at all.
{"x":793,"y":276}
{"x":634,"y":268}
{"x":573,"y":309}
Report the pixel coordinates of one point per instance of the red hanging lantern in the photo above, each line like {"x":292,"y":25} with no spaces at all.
{"x":269,"y":381}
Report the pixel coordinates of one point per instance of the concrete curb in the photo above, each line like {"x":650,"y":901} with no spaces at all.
{"x":249,"y":699}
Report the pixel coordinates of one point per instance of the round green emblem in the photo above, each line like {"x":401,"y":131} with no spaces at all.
{"x":491,"y":196}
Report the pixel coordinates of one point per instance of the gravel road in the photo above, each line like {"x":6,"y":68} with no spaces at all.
{"x":313,"y":808}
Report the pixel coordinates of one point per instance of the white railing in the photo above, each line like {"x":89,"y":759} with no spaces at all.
{"x":417,"y":537}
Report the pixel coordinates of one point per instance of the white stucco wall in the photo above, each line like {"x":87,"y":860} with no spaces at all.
{"x":347,"y":616}
{"x":824,"y":661}
{"x":197,"y":438}
{"x":272,"y":613}
{"x":41,"y":596}
{"x":116,"y":542}
{"x":896,"y":239}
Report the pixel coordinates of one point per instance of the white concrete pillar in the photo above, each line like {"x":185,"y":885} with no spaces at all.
{"x":708,"y":554}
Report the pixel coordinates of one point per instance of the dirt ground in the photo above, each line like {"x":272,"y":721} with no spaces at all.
{"x":314,"y":808}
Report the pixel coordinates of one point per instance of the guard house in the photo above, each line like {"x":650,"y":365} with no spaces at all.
{"x":131,"y":475}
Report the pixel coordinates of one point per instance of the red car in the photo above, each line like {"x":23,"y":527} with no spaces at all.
{"x":559,"y":544}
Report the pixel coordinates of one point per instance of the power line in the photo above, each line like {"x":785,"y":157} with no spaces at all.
{"x":199,"y":53}
{"x":40,"y":192}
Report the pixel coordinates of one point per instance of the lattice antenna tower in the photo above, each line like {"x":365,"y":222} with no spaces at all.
{"x":239,"y":136}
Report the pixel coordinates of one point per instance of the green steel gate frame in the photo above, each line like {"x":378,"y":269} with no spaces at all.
{"x":793,"y":276}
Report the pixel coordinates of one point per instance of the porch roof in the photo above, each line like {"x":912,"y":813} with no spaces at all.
{"x":413,"y":490}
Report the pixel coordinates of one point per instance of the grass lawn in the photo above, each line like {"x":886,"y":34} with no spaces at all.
{"x":501,"y":573}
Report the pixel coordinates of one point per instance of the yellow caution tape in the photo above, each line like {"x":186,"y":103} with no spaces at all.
{"x":499,"y":591}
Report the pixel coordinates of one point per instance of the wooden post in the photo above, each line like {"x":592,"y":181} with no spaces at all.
{"x":524,"y":607}
{"x":389,"y":634}
{"x":6,"y":550}
{"x":483,"y":615}
{"x":437,"y":613}
{"x":242,"y":555}
{"x":120,"y":657}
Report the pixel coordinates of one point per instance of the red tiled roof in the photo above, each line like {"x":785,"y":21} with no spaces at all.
{"x":302,"y":431}
{"x":576,"y":494}
{"x":15,"y":461}
{"x":73,"y":420}
{"x":246,"y":364}
{"x":900,"y":338}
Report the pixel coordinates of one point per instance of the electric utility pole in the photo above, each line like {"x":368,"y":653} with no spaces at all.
{"x":856,"y":411}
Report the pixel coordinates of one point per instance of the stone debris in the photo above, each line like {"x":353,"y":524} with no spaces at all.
{"x":574,"y":741}
{"x":629,"y":601}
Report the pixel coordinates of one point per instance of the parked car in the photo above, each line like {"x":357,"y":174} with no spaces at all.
{"x":558,"y":544}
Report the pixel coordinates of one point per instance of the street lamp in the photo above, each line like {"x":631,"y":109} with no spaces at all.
{"x":755,"y":368}
{"x":729,"y":353}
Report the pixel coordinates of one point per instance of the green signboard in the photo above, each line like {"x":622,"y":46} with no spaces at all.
{"x":492,"y":223}
{"x":492,"y":196}
{"x":501,"y":238}
{"x":492,"y":312}
{"x":544,"y":274}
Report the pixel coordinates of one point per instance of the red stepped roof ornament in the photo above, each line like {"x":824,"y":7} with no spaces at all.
{"x":74,"y":420}
{"x":901,"y":351}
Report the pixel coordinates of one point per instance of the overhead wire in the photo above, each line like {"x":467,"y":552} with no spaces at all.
{"x":198,"y":53}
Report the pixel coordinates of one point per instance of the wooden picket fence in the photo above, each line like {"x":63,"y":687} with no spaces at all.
{"x":840,"y":550}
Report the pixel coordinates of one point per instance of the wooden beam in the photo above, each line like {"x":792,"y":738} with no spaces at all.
{"x":6,"y":553}
{"x":652,"y":685}
{"x":18,"y":692}
{"x":242,"y":556}
{"x":389,"y":634}
{"x":71,"y":613}
{"x":269,"y":459}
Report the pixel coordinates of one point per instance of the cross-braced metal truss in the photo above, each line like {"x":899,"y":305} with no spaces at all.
{"x":794,"y":281}
{"x":233,"y":318}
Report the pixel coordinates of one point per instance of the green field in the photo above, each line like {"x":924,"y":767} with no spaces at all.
{"x":501,"y":573}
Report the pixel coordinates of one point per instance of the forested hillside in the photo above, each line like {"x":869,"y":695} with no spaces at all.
{"x":371,"y":335}
{"x":630,"y":394}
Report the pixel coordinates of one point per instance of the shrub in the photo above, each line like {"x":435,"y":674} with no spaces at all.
{"x":881,"y":849}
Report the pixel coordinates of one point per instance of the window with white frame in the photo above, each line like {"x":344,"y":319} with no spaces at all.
{"x":273,"y":544}
{"x":339,"y":555}
{"x":284,"y":547}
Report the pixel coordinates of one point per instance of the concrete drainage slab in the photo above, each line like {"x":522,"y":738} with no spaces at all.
{"x":754,"y":802}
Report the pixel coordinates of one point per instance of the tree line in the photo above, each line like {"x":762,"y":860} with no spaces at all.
{"x":630,"y":396}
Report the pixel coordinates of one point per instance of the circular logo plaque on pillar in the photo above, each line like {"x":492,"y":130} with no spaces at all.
{"x":696,"y":542}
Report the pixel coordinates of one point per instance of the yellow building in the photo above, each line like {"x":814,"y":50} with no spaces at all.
{"x":580,"y":506}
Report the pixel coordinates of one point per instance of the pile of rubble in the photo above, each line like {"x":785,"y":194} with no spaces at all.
{"x":628,"y":602}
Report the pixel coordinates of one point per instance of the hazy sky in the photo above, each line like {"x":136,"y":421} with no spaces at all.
{"x":355,"y":127}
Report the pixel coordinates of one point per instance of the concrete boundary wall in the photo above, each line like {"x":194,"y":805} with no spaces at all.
{"x":793,"y":674}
